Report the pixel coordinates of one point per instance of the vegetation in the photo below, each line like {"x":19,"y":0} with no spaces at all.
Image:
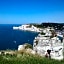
{"x":59,"y":26}
{"x":37,"y":25}
{"x":28,"y":46}
{"x":27,"y":59}
{"x":42,"y":33}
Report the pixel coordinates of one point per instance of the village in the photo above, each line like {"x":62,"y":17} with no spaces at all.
{"x":48,"y":43}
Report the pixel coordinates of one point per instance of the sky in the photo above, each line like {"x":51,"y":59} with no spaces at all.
{"x":31,"y":11}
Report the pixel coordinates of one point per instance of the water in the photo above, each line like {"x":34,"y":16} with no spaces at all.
{"x":10,"y":39}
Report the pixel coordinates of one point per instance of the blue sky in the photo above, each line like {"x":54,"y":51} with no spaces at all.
{"x":31,"y":11}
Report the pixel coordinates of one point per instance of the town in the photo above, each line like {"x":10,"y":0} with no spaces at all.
{"x":49,"y":42}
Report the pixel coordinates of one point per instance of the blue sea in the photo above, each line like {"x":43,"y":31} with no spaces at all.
{"x":10,"y":39}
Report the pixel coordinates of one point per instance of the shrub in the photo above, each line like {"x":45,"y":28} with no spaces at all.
{"x":28,"y":46}
{"x":42,"y":33}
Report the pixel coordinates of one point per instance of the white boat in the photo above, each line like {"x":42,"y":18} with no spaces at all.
{"x":15,"y":28}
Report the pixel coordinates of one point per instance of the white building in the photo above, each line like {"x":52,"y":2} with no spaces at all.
{"x":42,"y":43}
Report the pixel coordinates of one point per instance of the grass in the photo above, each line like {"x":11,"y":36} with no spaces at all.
{"x":27,"y":59}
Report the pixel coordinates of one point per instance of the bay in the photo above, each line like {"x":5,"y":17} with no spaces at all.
{"x":10,"y":39}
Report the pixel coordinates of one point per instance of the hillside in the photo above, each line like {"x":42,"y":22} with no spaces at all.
{"x":27,"y":59}
{"x":59,"y":26}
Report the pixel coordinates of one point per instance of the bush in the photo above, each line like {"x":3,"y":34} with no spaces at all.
{"x":1,"y":57}
{"x":27,"y":59}
{"x":42,"y":33}
{"x":28,"y":46}
{"x":31,"y":59}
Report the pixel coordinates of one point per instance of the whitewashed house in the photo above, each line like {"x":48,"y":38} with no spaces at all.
{"x":42,"y":43}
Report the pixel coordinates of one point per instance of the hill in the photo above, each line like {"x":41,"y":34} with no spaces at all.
{"x":27,"y":59}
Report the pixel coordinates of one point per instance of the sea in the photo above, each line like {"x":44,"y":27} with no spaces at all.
{"x":11,"y":39}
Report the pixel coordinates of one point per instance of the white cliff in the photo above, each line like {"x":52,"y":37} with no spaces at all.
{"x":28,"y":28}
